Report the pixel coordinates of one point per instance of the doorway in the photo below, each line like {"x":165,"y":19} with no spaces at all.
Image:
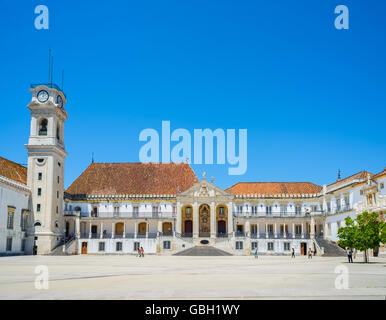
{"x":303,"y":248}
{"x":67,"y":229}
{"x":188,"y":226}
{"x":84,"y":247}
{"x":221,"y":227}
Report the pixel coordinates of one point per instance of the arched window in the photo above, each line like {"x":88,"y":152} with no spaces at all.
{"x":43,"y":127}
{"x":58,"y":131}
{"x":37,"y":224}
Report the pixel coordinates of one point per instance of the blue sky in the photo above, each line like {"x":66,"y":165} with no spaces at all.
{"x":311,"y":97}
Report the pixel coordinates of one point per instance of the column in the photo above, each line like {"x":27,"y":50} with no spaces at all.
{"x":178,"y":218}
{"x":302,"y":229}
{"x":147,"y":228}
{"x":159,"y":227}
{"x":247,"y":228}
{"x":312,"y":233}
{"x":275,"y":230}
{"x":135,"y":230}
{"x":124,"y":229}
{"x":293,"y":230}
{"x":212,"y":220}
{"x":284,"y":231}
{"x":89,"y":231}
{"x":77,"y":227}
{"x":266,"y":230}
{"x":230,"y":219}
{"x":101,"y":231}
{"x":195,"y":220}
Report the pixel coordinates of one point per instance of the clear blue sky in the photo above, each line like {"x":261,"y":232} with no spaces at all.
{"x":313,"y":98}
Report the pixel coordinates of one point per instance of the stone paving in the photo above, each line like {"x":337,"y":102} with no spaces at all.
{"x":179,"y":277}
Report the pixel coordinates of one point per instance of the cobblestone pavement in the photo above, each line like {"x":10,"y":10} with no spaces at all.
{"x":174,"y":277}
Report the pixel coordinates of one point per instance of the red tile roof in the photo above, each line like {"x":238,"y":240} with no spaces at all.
{"x":383,"y":172}
{"x":13,"y":171}
{"x":362,"y":175}
{"x":133,"y":178}
{"x":273,"y":188}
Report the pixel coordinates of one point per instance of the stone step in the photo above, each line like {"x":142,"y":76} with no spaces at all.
{"x":330,"y":248}
{"x":202,"y":251}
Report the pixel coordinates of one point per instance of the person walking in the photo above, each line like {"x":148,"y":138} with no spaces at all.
{"x":139,"y":252}
{"x":309,"y":253}
{"x":349,"y":255}
{"x":142,"y":255}
{"x":355,"y":253}
{"x":293,"y":253}
{"x":255,"y":254}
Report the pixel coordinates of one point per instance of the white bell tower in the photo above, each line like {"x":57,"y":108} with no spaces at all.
{"x":46,"y":157}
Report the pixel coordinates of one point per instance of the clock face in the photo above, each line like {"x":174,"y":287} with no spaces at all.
{"x":42,"y":95}
{"x":59,"y":101}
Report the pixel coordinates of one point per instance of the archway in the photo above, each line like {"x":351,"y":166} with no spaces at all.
{"x":167,"y":228}
{"x":119,"y":228}
{"x":187,"y":221}
{"x":204,"y":221}
{"x":222,"y":219}
{"x":142,"y":228}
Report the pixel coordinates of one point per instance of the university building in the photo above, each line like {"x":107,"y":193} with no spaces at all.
{"x":115,"y":208}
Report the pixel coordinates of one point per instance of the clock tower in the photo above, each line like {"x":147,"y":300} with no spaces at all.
{"x":46,"y":157}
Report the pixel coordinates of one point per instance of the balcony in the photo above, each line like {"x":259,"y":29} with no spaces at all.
{"x":275,"y":215}
{"x":222,"y":235}
{"x":186,"y":235}
{"x":124,"y":214}
{"x":240,"y":234}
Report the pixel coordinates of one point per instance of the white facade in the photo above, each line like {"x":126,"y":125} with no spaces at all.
{"x":14,"y":207}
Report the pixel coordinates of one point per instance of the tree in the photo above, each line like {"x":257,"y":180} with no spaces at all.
{"x":363,"y":234}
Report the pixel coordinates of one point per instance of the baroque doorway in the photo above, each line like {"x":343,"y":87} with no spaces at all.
{"x":204,"y":222}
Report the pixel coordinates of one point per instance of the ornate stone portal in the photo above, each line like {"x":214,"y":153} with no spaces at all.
{"x":204,"y":224}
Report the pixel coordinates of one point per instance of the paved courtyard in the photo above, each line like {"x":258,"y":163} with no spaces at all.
{"x":176,"y":277}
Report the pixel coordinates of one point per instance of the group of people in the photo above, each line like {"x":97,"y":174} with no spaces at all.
{"x":350,"y":253}
{"x":140,"y":252}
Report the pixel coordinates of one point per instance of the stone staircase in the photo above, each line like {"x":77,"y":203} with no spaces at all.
{"x":202,"y":251}
{"x":330,"y":248}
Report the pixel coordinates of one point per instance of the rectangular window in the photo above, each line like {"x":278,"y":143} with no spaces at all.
{"x":22,"y":245}
{"x":239,"y":245}
{"x":254,"y":209}
{"x":268,"y":210}
{"x":39,"y":191}
{"x":38,"y":207}
{"x":136,"y":246}
{"x":23,"y":220}
{"x":166,"y":245}
{"x":10,"y":220}
{"x":57,"y":194}
{"x":270,"y":246}
{"x":382,"y":185}
{"x":239,"y":209}
{"x":118,"y":246}
{"x":283,"y":209}
{"x":286,"y":246}
{"x":298,"y":229}
{"x":254,"y":245}
{"x":40,"y":176}
{"x":253,"y":229}
{"x":9,"y":244}
{"x":270,"y":228}
{"x":298,"y":209}
{"x":135,"y":211}
{"x":101,"y":246}
{"x":58,"y":179}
